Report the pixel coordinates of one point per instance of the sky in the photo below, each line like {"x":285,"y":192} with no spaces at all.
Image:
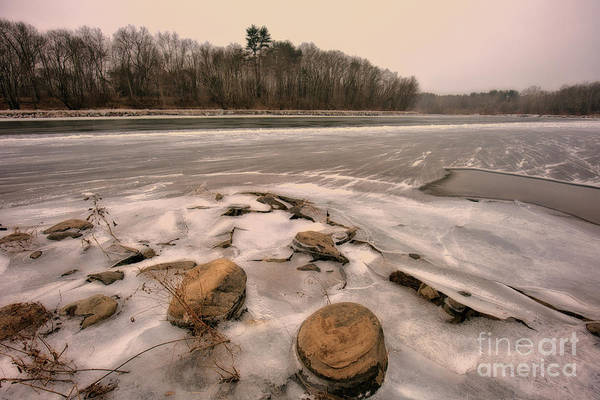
{"x":456,"y":46}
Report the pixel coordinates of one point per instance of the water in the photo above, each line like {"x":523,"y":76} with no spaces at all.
{"x":42,"y":160}
{"x":365,"y":172}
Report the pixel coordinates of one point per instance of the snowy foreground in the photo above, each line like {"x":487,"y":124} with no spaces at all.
{"x":483,"y":248}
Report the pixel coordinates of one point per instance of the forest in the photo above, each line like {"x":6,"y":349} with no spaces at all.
{"x":581,"y":99}
{"x":85,"y":68}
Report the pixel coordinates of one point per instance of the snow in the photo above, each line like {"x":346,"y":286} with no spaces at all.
{"x":482,"y":248}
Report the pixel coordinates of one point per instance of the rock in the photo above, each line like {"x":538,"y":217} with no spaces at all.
{"x":309,"y":267}
{"x":15,"y":237}
{"x":35,"y":255}
{"x":306,"y":210}
{"x":319,"y":245}
{"x":342,"y":351}
{"x":179,"y":264}
{"x":463,"y":293}
{"x":107,"y":277}
{"x":135,"y":256}
{"x":343,"y":237}
{"x":63,"y":235}
{"x":212,"y":291}
{"x":414,"y":256}
{"x":593,"y":328}
{"x":455,"y":309}
{"x":69,"y":224}
{"x":95,"y":309}
{"x":428,"y":293}
{"x":218,"y":197}
{"x":19,"y":317}
{"x":271,"y":200}
{"x":69,"y":272}
{"x":237,"y":210}
{"x":403,"y":279}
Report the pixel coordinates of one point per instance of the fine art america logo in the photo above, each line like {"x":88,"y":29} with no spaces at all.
{"x":531,"y":356}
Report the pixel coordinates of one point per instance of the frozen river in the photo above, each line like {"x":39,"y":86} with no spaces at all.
{"x":365,"y":171}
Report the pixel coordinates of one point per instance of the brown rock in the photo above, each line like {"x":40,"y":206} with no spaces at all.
{"x":428,"y":292}
{"x":309,"y":267}
{"x":211,"y":291}
{"x":95,"y":309}
{"x":69,"y":224}
{"x":15,"y":237}
{"x":271,"y":201}
{"x":106,"y":277}
{"x":342,"y":350}
{"x":63,"y":235}
{"x":403,"y":279}
{"x":414,"y":256}
{"x":237,"y":210}
{"x":18,"y":317}
{"x":35,"y":255}
{"x":319,"y":245}
{"x":179,"y":264}
{"x":218,"y":197}
{"x":593,"y":328}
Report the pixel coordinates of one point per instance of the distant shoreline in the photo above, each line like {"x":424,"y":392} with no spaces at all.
{"x":144,"y":113}
{"x":110,"y":113}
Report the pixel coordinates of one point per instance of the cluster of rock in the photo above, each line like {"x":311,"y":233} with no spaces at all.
{"x":70,"y":228}
{"x":458,"y":311}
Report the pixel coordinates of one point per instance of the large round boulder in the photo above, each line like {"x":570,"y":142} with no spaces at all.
{"x":342,"y":351}
{"x":211,"y":292}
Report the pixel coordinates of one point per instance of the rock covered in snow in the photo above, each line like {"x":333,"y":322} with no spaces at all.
{"x":342,"y":351}
{"x":95,"y":309}
{"x":179,"y":264}
{"x":78,"y":224}
{"x":19,"y":317}
{"x":319,"y":245}
{"x":212,"y":291}
{"x":106,"y":277}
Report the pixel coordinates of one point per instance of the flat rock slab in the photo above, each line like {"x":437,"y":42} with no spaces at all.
{"x":19,"y":317}
{"x":69,"y":224}
{"x":95,"y":309}
{"x":319,"y":245}
{"x":15,"y":237}
{"x":343,"y":348}
{"x":309,"y":267}
{"x":213,"y":291}
{"x":107,"y":277}
{"x":63,"y":235}
{"x":179,"y":264}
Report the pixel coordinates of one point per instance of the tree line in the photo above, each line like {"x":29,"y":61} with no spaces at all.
{"x":85,"y":68}
{"x":581,"y":99}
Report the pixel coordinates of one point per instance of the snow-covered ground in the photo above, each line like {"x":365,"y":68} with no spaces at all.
{"x":475,"y":247}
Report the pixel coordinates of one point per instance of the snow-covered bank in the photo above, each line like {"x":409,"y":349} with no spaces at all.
{"x":481,"y":248}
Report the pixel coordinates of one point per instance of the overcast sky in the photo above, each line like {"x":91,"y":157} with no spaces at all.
{"x":454,"y":46}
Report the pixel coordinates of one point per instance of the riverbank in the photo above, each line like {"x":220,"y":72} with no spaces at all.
{"x":110,"y":113}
